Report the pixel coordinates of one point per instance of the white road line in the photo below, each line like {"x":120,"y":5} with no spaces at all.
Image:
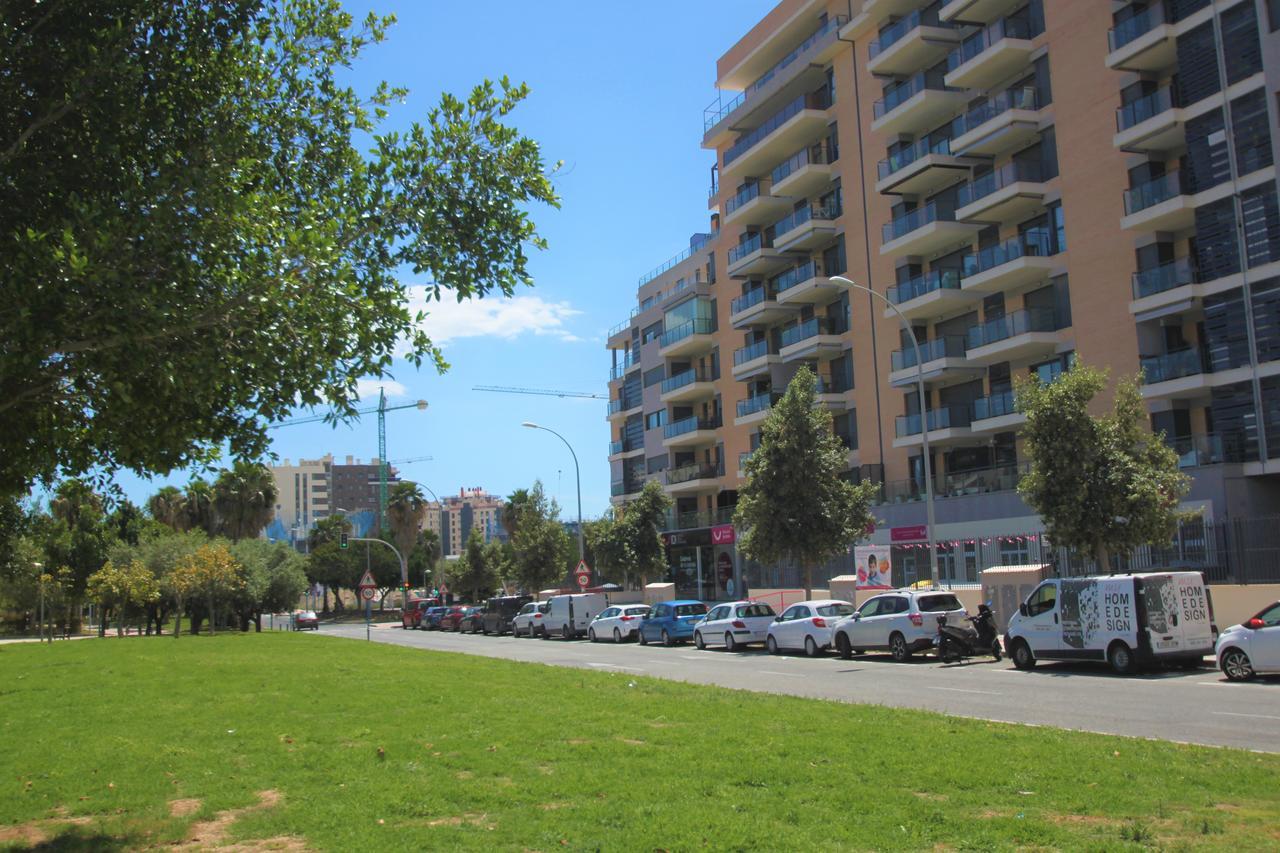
{"x":615,"y":666}
{"x":785,"y":674}
{"x":693,"y":657}
{"x":1251,"y":716}
{"x":962,"y":690}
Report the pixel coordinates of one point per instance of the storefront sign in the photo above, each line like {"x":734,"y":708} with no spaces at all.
{"x":723,"y":534}
{"x":911,"y":533}
{"x":874,"y":569}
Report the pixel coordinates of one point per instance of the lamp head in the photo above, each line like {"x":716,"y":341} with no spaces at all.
{"x":530,"y":425}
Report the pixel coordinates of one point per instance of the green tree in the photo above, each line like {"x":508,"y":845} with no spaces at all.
{"x":1102,"y":484}
{"x":796,"y":504}
{"x":475,"y":576}
{"x":115,"y":588}
{"x":542,"y":546}
{"x":406,"y":512}
{"x":608,"y":547}
{"x":244,"y":499}
{"x":511,"y":507}
{"x":274,"y":580}
{"x":215,"y":577}
{"x":197,"y":507}
{"x":75,"y":534}
{"x":194,"y":244}
{"x":161,"y":554}
{"x":641,"y":525}
{"x":167,"y":507}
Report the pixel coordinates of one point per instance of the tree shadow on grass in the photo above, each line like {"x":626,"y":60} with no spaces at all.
{"x":80,"y":839}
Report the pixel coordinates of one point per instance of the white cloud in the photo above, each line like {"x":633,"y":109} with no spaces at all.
{"x":368,"y":388}
{"x":506,"y":317}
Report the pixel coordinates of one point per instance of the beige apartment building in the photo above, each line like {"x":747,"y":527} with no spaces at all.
{"x":455,"y":518}
{"x":1027,"y":182}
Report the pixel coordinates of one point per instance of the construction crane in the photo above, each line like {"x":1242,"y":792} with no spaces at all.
{"x":545,"y":392}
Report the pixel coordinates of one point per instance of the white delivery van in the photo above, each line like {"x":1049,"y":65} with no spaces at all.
{"x":1125,"y":620}
{"x":569,"y":615}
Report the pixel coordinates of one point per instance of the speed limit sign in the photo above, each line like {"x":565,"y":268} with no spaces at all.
{"x":367,"y":593}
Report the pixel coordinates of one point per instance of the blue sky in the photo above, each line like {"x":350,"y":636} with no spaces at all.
{"x":618,"y":95}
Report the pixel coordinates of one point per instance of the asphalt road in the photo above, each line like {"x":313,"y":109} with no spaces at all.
{"x":1199,"y":706}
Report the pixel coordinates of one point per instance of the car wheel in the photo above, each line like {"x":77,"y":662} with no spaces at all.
{"x":543,"y":633}
{"x":644,"y":641}
{"x":617,"y":635}
{"x":898,"y":647}
{"x":565,"y":633}
{"x":698,"y":641}
{"x":1021,"y":654}
{"x":1121,"y":658}
{"x":842,"y":646}
{"x":1236,"y":665}
{"x":995,"y":650}
{"x":730,"y":644}
{"x":666,"y":639}
{"x":771,"y":644}
{"x":811,"y":648}
{"x":591,"y":634}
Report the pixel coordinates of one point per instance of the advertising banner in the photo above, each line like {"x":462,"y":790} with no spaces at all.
{"x":873,"y":567}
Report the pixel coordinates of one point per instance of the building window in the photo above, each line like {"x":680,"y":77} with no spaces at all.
{"x":651,"y":333}
{"x":654,"y":376}
{"x":653,"y":420}
{"x":1014,"y":552}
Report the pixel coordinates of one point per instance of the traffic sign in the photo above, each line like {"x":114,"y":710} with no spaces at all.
{"x":366,"y":581}
{"x":367,"y":593}
{"x":582,"y":574}
{"x":584,"y":581}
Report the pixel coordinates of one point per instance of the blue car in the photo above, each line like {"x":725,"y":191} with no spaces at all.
{"x":431,"y":618}
{"x":671,"y":622}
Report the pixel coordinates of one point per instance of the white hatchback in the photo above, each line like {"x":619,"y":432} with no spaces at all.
{"x":528,"y":622}
{"x":1251,"y":648}
{"x":734,"y":624}
{"x":620,"y":622}
{"x":807,"y":625}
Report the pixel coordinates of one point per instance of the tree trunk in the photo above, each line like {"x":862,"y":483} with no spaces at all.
{"x":808,"y":581}
{"x":1103,"y":556}
{"x":120,"y":619}
{"x":177,"y":625}
{"x":324,"y":590}
{"x":196,"y":619}
{"x":102,"y":621}
{"x":213,"y":617}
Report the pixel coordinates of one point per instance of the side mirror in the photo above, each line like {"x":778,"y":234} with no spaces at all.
{"x":1022,"y":608}
{"x":855,"y":616}
{"x":1255,"y":623}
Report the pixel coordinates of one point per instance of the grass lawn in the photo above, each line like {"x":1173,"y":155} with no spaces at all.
{"x":147,"y":741}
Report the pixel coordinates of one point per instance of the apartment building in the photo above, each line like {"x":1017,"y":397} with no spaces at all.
{"x":314,"y":488}
{"x":456,"y":518}
{"x":1026,"y":182}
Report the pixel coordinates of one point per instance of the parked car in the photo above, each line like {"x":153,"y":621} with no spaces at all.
{"x":472,"y":622}
{"x":1252,"y":647}
{"x":568,"y":616}
{"x":671,"y":622}
{"x":306,"y":620}
{"x":430,"y":620}
{"x":735,"y":624}
{"x":903,"y":622}
{"x":528,"y":622}
{"x":620,"y":622}
{"x":808,"y":625}
{"x":500,"y":610}
{"x":452,"y":617}
{"x":411,"y":616}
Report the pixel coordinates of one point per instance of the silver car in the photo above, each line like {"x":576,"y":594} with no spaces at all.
{"x":901,"y":622}
{"x":735,"y":624}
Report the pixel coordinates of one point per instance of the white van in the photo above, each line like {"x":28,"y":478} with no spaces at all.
{"x":1125,"y":620}
{"x":569,"y":615}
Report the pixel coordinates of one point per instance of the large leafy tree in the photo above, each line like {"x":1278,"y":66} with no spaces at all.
{"x":476,"y":574}
{"x":642,"y":521}
{"x":1102,"y":484}
{"x":244,"y":498}
{"x":406,"y":512}
{"x":795,"y":504}
{"x":193,"y":244}
{"x":607,"y":548}
{"x":274,"y":579}
{"x":167,"y":507}
{"x":541,"y":544}
{"x":197,"y":507}
{"x":117,"y":588}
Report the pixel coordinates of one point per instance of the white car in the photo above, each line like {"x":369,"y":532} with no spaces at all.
{"x":903,"y":621}
{"x":621,"y":622}
{"x":808,"y":625}
{"x":528,"y":622}
{"x":734,"y":624}
{"x":1251,"y":648}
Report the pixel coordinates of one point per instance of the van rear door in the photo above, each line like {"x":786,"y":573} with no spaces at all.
{"x":1178,"y":619}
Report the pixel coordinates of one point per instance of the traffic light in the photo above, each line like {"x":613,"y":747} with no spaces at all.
{"x":342,"y":543}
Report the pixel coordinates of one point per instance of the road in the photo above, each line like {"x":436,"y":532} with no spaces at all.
{"x":1199,"y":706}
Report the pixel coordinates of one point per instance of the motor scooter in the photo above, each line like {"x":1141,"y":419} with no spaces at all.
{"x":954,"y":643}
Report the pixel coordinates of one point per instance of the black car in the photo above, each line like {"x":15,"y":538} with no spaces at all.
{"x":499,"y":611}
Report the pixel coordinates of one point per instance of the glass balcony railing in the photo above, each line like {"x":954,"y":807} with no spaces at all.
{"x":624,"y":366}
{"x":749,"y":140}
{"x":1022,"y":98}
{"x":795,"y":275}
{"x":916,"y":219}
{"x":1013,"y":324}
{"x":1007,"y":175}
{"x":752,"y":244}
{"x":813,"y":155}
{"x":1143,"y":22}
{"x":983,"y":39}
{"x":616,"y":406}
{"x":1162,"y":278}
{"x":901,"y":159}
{"x":898,"y":94}
{"x":748,"y":300}
{"x":696,"y":471}
{"x":803,"y":216}
{"x":895,"y":32}
{"x":688,"y":425}
{"x":1036,"y":243}
{"x":697,"y":326}
{"x":680,"y":380}
{"x":954,"y":484}
{"x":948,"y":346}
{"x":810,"y":328}
{"x":758,"y":403}
{"x":932,"y":281}
{"x":946,"y":417}
{"x":699,"y":518}
{"x":623,"y":446}
{"x":994,"y":406}
{"x":1210,"y":449}
{"x":1136,"y":112}
{"x":1174,"y":365}
{"x":746,"y":194}
{"x":752,"y":352}
{"x":1153,"y":192}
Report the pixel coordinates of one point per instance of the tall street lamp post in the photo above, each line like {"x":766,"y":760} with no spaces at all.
{"x":924,"y":419}
{"x":582,"y":552}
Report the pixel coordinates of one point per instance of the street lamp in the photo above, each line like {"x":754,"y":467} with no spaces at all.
{"x":582,"y":553}
{"x":924,"y":418}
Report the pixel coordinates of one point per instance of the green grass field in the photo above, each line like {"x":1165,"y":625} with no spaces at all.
{"x":372,"y":747}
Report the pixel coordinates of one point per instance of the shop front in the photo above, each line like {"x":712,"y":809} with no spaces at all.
{"x":703,"y":563}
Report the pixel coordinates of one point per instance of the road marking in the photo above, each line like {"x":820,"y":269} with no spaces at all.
{"x":785,"y":674}
{"x":1252,"y":716}
{"x":615,"y":666}
{"x":963,"y":690}
{"x":692,"y":657}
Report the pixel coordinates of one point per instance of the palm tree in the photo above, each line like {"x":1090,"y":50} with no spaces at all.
{"x":166,"y":507}
{"x":197,"y":507}
{"x":406,"y":510}
{"x":72,"y":498}
{"x":511,"y":511}
{"x":244,"y":498}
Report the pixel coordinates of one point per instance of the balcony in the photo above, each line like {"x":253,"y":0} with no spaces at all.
{"x":1152,"y":124}
{"x":800,"y":122}
{"x":751,"y":206}
{"x":692,"y":338}
{"x":1006,"y":194}
{"x":753,"y":257}
{"x":622,"y":409}
{"x":947,"y":425}
{"x":623,"y":367}
{"x":803,"y":285}
{"x":911,"y":43}
{"x":956,"y":484}
{"x":625,"y":448}
{"x":754,"y":409}
{"x":1009,"y":266}
{"x":994,"y":53}
{"x":941,"y":356}
{"x":807,"y":228}
{"x":753,"y":360}
{"x":690,"y":431}
{"x":620,"y":335}
{"x":933,"y":294}
{"x":699,"y":518}
{"x":915,"y":105}
{"x":830,"y":393}
{"x":816,"y":338}
{"x":1024,"y":334}
{"x":1162,"y":280}
{"x":921,"y":169}
{"x":1004,"y":123}
{"x":757,"y":307}
{"x":1145,"y":42}
{"x":690,"y":479}
{"x":805,"y":172}
{"x":996,"y":413}
{"x":976,"y":11}
{"x":1176,"y":374}
{"x":1195,"y":451}
{"x":687,"y":386}
{"x":1159,"y":205}
{"x":924,"y":230}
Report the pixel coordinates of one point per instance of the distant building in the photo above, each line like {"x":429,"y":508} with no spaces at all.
{"x":456,"y":517}
{"x":315,"y":488}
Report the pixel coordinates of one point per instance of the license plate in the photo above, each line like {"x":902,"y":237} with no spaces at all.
{"x":1166,"y":644}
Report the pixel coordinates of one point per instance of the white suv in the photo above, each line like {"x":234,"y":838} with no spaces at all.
{"x":903,"y":622}
{"x":735,"y":624}
{"x":528,"y":622}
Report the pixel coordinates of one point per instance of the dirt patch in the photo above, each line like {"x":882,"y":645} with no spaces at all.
{"x":988,"y":814}
{"x":459,"y":820}
{"x":632,"y":741}
{"x":184,"y":808}
{"x":550,"y":807}
{"x":35,"y":832}
{"x":213,"y":832}
{"x":929,"y":795}
{"x":463,"y":774}
{"x":577,"y":741}
{"x":1083,"y":820}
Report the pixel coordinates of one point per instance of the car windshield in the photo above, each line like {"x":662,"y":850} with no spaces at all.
{"x":835,"y":610}
{"x":938,"y":603}
{"x":749,"y":610}
{"x":698,"y":609}
{"x":636,"y":611}
{"x":306,"y":614}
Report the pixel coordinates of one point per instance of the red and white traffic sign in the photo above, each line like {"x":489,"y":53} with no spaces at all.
{"x":582,"y":574}
{"x":584,"y":581}
{"x":367,"y":593}
{"x":366,"y":581}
